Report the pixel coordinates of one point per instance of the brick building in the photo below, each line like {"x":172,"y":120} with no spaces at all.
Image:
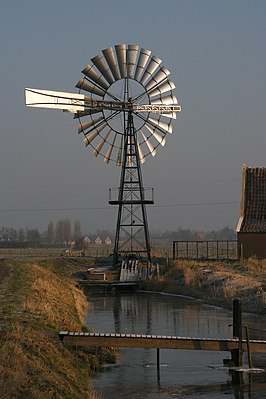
{"x":251,"y":228}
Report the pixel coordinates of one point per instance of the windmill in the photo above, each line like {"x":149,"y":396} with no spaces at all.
{"x":125,"y":107}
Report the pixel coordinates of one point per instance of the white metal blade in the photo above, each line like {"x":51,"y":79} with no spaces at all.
{"x":88,"y":138}
{"x":171,"y":115}
{"x":84,"y":126}
{"x":132,"y":53}
{"x":111,"y":61}
{"x":99,"y":62}
{"x":141,"y":155}
{"x":99,"y":146}
{"x":149,"y":145}
{"x":151,"y":68}
{"x":69,"y":102}
{"x":162,"y":88}
{"x":121,"y":58}
{"x":157,"y":136}
{"x":157,"y":78}
{"x":109,"y":152}
{"x":142,"y":61}
{"x":165,"y":100}
{"x":91,"y":88}
{"x":165,"y":126}
{"x":93,"y":75}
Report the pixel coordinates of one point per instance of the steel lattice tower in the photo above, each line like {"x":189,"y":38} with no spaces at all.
{"x":132,"y":233}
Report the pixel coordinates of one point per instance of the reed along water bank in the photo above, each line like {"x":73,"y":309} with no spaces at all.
{"x":216,"y":283}
{"x":39,"y":297}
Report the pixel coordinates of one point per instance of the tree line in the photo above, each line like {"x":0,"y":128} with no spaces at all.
{"x":64,"y":231}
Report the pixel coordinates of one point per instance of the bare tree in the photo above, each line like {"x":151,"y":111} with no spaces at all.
{"x":59,"y":231}
{"x":63,"y":231}
{"x":67,"y":230}
{"x":50,"y":233}
{"x":21,"y":235}
{"x":33,"y":236}
{"x":76,"y":230}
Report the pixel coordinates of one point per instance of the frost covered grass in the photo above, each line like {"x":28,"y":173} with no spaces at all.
{"x":218,"y":282}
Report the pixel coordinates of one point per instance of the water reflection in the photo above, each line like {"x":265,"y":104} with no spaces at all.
{"x":183,"y":374}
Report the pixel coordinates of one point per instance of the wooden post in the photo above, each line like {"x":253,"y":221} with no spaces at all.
{"x":248,"y":348}
{"x":158,"y":364}
{"x":237,"y":354}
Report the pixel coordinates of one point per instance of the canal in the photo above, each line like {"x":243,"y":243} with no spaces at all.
{"x":183,"y":374}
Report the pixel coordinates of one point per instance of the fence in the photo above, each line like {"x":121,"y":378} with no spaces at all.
{"x":209,"y":250}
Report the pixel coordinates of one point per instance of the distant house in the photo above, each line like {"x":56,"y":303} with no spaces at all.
{"x":108,"y":241}
{"x":86,"y":240}
{"x":251,"y":228}
{"x":98,"y":241}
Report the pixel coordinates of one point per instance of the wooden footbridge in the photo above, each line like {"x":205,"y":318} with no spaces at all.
{"x":237,"y":345}
{"x":79,"y":339}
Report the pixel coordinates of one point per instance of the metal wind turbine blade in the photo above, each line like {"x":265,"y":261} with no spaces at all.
{"x":149,"y":145}
{"x":142,"y":61}
{"x":93,"y":75}
{"x":121,"y":58}
{"x":84,"y":126}
{"x":156,"y":135}
{"x":171,"y":115}
{"x":88,"y":138}
{"x":132,"y":53}
{"x":99,"y":146}
{"x":141,"y":155}
{"x":162,"y":88}
{"x":165,"y":100}
{"x":69,"y":102}
{"x":109,"y":152}
{"x":91,"y":88}
{"x":163,"y":125}
{"x":160,"y":76}
{"x":99,"y":62}
{"x":109,"y":56}
{"x":151,"y":68}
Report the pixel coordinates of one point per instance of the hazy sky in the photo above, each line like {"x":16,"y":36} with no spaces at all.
{"x":215,"y":51}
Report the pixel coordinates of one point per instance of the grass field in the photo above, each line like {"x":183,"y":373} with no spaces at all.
{"x":38,"y":298}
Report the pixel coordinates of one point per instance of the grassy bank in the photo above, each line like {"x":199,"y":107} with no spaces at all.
{"x":39,"y":297}
{"x":217,"y":283}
